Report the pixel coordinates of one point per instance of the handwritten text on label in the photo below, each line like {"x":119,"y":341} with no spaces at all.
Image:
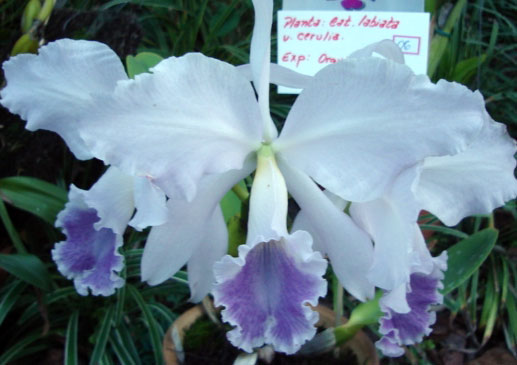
{"x":310,"y":40}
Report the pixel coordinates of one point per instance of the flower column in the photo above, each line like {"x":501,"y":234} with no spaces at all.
{"x":265,"y":290}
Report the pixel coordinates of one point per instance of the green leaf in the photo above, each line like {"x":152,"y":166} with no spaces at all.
{"x":240,"y":55}
{"x":54,"y":296}
{"x":10,"y":298}
{"x":154,"y":333}
{"x":141,"y":63}
{"x":28,"y":268}
{"x":167,"y":4}
{"x":123,"y":354}
{"x":511,"y":310}
{"x":236,"y":235}
{"x":489,"y":314}
{"x":444,"y":230}
{"x":439,"y":42}
{"x":121,"y":300}
{"x":102,"y":337}
{"x":164,"y":312}
{"x":122,"y":334}
{"x":466,"y":69}
{"x":230,"y":205}
{"x":11,"y":231}
{"x":224,"y":21}
{"x":466,"y":257}
{"x":15,"y":351}
{"x":71,"y":357}
{"x":34,"y":196}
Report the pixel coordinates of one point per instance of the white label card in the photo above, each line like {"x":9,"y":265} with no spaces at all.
{"x":310,"y":40}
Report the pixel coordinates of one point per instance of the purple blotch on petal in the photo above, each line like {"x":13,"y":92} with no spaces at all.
{"x":267,"y":299}
{"x":88,"y":256}
{"x":409,"y":328}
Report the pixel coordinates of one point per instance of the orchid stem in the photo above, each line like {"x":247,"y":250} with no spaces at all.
{"x":338,"y":299}
{"x":364,"y":314}
{"x":241,"y":192}
{"x":491,"y":222}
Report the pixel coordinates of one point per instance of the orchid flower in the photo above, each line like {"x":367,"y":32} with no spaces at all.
{"x":94,"y":220}
{"x":475,"y":181}
{"x":194,"y":127}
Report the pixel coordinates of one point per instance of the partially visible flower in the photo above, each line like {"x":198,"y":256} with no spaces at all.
{"x":94,"y":222}
{"x":89,"y":256}
{"x":408,"y":326}
{"x":54,"y":91}
{"x":474,"y":181}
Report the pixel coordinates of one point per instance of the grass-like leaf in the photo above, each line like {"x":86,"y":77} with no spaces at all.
{"x":34,"y":196}
{"x":28,"y":268}
{"x":154,"y":333}
{"x":71,"y":355}
{"x":444,"y":230}
{"x":11,"y":231}
{"x":10,"y":298}
{"x":123,"y":354}
{"x":17,"y":350}
{"x":123,"y":334}
{"x":102,"y":337}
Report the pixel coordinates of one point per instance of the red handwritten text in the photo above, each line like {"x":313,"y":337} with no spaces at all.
{"x":379,"y":23}
{"x":324,"y":58}
{"x":293,"y":22}
{"x":293,"y":58}
{"x":328,"y":36}
{"x":340,"y":22}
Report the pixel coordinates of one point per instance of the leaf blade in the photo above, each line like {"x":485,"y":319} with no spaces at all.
{"x":466,"y":257}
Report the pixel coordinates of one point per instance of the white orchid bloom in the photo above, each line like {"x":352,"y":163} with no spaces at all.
{"x":194,"y":128}
{"x":475,"y":181}
{"x":94,"y":222}
{"x":53,"y":91}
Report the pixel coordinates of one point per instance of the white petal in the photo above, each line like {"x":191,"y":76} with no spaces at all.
{"x":211,"y":248}
{"x":172,"y":244}
{"x":386,"y":48}
{"x":349,"y":248}
{"x":280,"y":75}
{"x":192,"y":116}
{"x":303,"y":222}
{"x":150,"y":204}
{"x":390,"y":222}
{"x":362,"y":121}
{"x":260,"y":58}
{"x":53,"y":90}
{"x":396,"y":299}
{"x":475,"y":181}
{"x":421,"y":258}
{"x":112,"y":197}
{"x":392,"y":236}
